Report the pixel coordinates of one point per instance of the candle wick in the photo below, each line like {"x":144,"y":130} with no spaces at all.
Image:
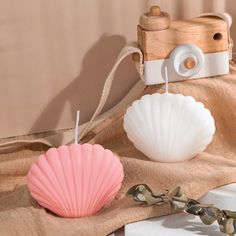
{"x":77,"y":126}
{"x":167,"y":80}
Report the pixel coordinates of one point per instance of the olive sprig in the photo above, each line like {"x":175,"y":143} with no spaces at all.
{"x":178,"y":201}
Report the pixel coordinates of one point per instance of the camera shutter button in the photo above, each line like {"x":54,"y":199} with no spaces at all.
{"x":154,"y":20}
{"x":155,"y":11}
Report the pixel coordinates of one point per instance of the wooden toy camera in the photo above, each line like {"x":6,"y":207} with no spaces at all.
{"x":190,"y":49}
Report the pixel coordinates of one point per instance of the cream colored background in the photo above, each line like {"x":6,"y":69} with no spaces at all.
{"x":56,"y":54}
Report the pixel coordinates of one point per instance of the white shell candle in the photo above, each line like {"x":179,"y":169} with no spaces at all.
{"x":169,"y":127}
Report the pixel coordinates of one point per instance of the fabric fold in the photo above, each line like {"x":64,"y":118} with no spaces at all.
{"x":216,"y":166}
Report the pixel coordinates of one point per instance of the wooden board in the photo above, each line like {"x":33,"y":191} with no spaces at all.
{"x":208,"y":33}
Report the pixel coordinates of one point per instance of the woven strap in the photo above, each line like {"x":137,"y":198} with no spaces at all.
{"x":60,"y":138}
{"x":126,"y":51}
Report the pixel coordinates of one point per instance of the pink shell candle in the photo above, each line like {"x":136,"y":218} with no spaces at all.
{"x":76,"y":180}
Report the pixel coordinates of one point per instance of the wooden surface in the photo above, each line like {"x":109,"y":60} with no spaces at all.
{"x":199,"y":31}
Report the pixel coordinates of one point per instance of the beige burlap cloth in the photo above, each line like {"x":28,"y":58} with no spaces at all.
{"x":21,"y":215}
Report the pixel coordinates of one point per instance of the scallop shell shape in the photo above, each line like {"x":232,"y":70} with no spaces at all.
{"x":76,"y":180}
{"x":169,"y":127}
